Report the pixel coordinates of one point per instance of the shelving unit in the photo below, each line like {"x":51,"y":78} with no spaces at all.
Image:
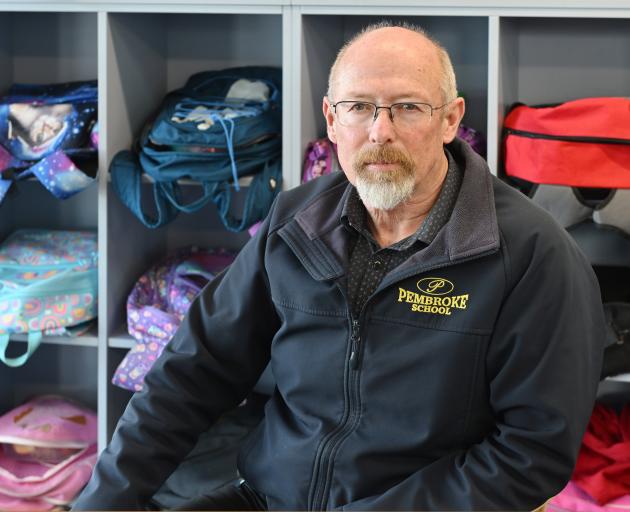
{"x":65,"y":49}
{"x":503,"y":51}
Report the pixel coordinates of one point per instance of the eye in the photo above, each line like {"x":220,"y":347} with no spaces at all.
{"x":359,"y":107}
{"x":409,"y":107}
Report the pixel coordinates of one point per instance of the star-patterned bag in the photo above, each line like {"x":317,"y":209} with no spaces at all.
{"x":48,"y":132}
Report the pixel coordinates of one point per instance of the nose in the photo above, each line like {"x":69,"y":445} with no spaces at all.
{"x":382,"y":129}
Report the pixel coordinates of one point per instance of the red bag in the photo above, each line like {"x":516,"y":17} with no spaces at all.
{"x":581,"y":143}
{"x":603,"y":464}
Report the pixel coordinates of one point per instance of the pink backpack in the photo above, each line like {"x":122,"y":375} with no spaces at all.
{"x":574,"y":499}
{"x":47,"y":453}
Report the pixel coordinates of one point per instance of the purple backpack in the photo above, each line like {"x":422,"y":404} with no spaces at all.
{"x":475,"y":138}
{"x":320,"y":158}
{"x":157,"y":304}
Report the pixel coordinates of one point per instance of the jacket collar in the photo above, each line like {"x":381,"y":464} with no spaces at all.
{"x":472,"y":229}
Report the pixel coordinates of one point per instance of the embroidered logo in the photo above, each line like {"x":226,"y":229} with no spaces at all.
{"x":435,"y":297}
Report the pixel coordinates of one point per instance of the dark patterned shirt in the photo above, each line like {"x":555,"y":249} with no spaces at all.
{"x":369,"y":263}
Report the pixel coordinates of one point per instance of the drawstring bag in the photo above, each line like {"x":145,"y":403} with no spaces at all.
{"x":157,"y":304}
{"x":47,"y":453}
{"x":221,"y":126}
{"x":49,"y":132}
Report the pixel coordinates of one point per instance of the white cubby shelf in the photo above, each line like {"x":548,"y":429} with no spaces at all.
{"x":503,"y":52}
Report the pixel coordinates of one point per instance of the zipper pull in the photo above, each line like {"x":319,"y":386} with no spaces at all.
{"x":354,"y":339}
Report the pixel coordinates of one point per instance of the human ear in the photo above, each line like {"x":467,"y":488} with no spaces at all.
{"x":328,"y":114}
{"x":452,"y":117}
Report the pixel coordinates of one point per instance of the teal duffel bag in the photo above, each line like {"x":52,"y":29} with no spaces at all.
{"x":219,"y":127}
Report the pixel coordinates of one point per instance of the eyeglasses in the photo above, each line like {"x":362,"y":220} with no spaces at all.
{"x":354,"y":114}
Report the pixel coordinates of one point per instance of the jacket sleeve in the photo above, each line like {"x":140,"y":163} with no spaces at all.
{"x":210,"y":365}
{"x":543,"y":363}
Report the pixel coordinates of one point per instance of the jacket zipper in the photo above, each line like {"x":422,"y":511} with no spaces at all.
{"x":322,"y":471}
{"x":568,"y":138}
{"x":327,"y":450}
{"x":354,"y":341}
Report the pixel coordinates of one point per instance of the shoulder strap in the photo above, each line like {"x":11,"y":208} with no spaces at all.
{"x":615,"y":211}
{"x":56,"y":172}
{"x":260,"y":194}
{"x":4,"y":188}
{"x":126,"y":181}
{"x":32,"y":342}
{"x":170,"y":190}
{"x":562,"y":203}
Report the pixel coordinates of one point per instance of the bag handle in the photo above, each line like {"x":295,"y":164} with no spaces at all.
{"x":32,"y":342}
{"x":59,"y":175}
{"x":56,"y":172}
{"x":6,"y":162}
{"x":126,"y":175}
{"x":260,"y":195}
{"x":170,"y":190}
{"x":4,"y":187}
{"x":187,"y":271}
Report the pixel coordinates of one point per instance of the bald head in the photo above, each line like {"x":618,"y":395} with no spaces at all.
{"x":397,"y":40}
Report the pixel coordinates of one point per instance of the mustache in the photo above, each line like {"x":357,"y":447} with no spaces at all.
{"x":384,"y":154}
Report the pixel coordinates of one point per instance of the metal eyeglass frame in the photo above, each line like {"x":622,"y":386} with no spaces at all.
{"x":391,"y":113}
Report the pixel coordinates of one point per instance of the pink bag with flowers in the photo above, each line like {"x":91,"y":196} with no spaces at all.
{"x":47,"y":453}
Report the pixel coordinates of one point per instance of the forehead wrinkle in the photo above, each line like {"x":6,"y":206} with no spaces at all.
{"x":404,"y":92}
{"x":352,"y":81}
{"x":398,"y":98}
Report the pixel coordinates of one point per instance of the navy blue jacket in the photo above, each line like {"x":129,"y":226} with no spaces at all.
{"x":466,"y":382}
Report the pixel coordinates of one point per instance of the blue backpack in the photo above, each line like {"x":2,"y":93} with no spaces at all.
{"x":48,"y":285}
{"x":220,"y":126}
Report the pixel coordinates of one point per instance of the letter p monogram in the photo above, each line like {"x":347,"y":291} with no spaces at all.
{"x":435,"y":285}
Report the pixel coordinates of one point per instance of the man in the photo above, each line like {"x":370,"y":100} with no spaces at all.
{"x":435,"y":339}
